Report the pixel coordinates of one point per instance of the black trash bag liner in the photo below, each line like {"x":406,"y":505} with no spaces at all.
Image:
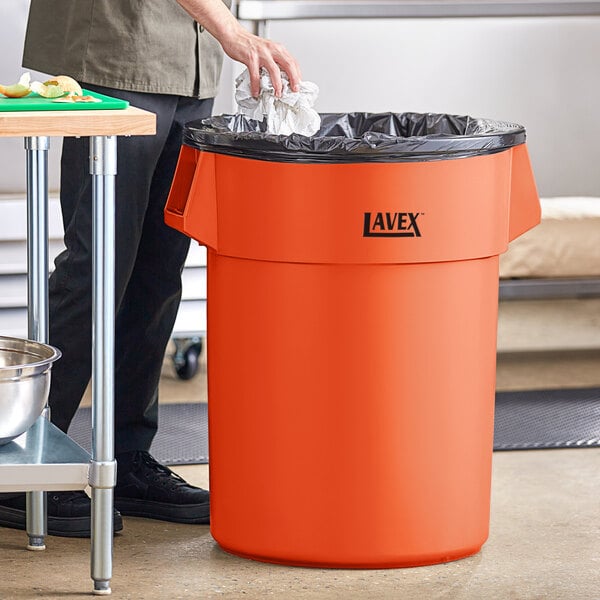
{"x":358,"y":138}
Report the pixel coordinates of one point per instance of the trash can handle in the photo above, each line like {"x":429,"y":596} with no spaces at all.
{"x":525,"y":211}
{"x":192,"y":203}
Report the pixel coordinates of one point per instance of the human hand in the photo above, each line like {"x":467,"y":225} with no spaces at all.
{"x":256,"y":52}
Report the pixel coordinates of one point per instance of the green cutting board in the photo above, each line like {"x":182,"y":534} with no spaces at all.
{"x":36,"y":102}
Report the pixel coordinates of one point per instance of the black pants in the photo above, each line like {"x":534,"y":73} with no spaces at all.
{"x":149,"y":260}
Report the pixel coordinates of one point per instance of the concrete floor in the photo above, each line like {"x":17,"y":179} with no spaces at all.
{"x":544,"y":541}
{"x":544,"y":544}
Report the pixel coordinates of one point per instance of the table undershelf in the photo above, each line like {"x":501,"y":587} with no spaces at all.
{"x":43,"y":459}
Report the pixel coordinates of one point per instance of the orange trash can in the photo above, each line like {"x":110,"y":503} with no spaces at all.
{"x":352,"y":314}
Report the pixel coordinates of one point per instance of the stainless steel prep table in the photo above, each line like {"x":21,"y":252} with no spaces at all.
{"x":44,"y":458}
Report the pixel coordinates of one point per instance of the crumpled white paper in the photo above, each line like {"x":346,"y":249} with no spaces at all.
{"x":293,"y":112}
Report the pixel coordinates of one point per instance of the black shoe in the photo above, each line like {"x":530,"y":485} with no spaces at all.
{"x":68,"y":513}
{"x":145,"y":488}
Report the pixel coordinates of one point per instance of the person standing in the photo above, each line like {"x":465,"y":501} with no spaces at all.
{"x":164,"y":56}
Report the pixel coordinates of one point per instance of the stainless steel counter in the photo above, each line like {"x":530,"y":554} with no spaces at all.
{"x":266,"y":10}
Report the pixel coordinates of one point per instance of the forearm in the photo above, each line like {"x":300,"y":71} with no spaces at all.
{"x":215,"y":17}
{"x":243,"y":46}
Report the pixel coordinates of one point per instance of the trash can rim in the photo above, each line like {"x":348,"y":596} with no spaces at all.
{"x":209,"y":124}
{"x":355,"y":142}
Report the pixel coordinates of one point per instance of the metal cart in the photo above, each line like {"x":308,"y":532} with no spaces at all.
{"x":44,"y":458}
{"x":190,"y":326}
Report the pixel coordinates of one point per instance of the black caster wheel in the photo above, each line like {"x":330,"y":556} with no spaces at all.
{"x":187,"y":361}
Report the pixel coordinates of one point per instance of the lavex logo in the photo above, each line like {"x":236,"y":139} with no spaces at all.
{"x":388,"y":224}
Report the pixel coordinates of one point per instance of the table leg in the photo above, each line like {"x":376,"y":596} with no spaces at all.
{"x":103,"y":168}
{"x":37,"y":295}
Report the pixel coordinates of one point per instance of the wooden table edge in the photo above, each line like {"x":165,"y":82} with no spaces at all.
{"x":127,"y":121}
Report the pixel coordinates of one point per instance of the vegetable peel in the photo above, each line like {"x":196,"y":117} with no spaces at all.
{"x":72,"y":98}
{"x":57,"y":86}
{"x":17,"y":90}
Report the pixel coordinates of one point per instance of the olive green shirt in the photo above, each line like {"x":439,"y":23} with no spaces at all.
{"x":137,"y":45}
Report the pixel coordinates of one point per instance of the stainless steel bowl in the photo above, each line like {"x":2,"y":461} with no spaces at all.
{"x":24,"y":384}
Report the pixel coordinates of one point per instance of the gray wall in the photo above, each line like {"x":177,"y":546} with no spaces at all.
{"x":13,"y":16}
